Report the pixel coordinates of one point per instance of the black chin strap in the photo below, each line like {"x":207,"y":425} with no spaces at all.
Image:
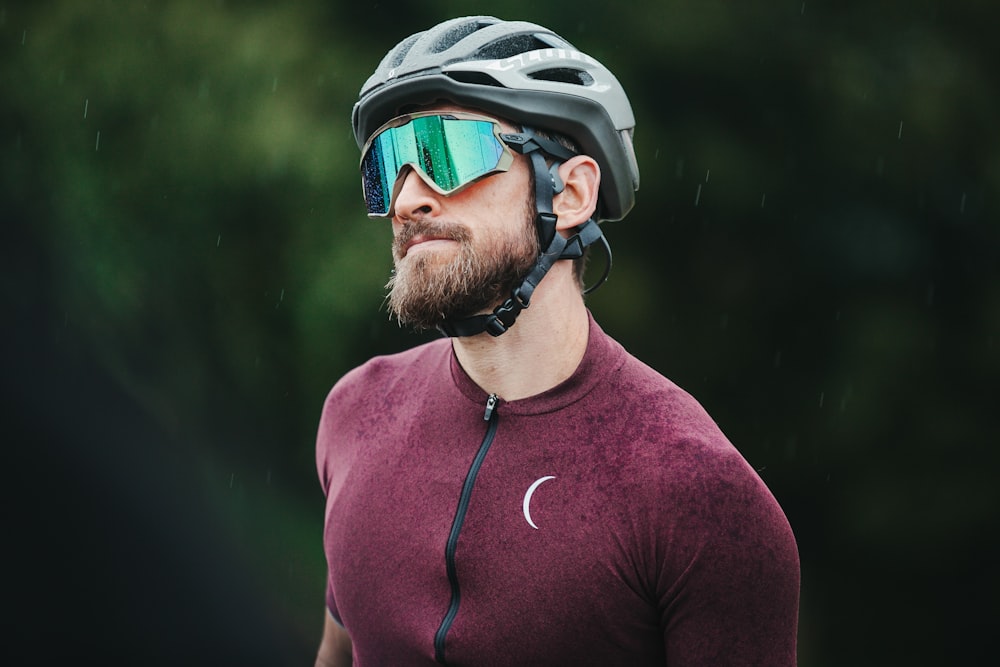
{"x":556,"y":246}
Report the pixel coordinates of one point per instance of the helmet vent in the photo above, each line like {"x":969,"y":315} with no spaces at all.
{"x":475,"y":78}
{"x":400,"y":51}
{"x":564,"y":75}
{"x":512,"y":45}
{"x":456,"y":35}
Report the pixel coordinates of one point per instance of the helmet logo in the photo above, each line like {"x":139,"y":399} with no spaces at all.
{"x":532,"y":57}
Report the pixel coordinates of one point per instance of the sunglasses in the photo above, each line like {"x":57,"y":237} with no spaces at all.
{"x":449,"y":151}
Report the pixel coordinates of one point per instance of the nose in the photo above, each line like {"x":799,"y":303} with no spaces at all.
{"x":414,"y":198}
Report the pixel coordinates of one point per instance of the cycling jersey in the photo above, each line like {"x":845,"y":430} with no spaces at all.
{"x":607,"y":521}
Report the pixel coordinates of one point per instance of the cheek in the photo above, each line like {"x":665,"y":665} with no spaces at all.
{"x":510,"y":189}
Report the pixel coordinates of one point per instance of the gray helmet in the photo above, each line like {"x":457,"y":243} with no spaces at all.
{"x":519,"y":71}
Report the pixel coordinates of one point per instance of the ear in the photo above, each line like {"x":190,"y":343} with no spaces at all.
{"x":578,"y":200}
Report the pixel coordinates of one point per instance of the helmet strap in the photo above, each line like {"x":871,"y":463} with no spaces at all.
{"x":556,"y":246}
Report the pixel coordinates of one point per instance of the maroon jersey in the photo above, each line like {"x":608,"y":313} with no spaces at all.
{"x":607,"y":521}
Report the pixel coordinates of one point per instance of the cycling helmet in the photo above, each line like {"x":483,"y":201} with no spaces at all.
{"x":519,"y":71}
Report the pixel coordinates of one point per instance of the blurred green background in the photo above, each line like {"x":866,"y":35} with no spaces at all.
{"x":187,"y":269}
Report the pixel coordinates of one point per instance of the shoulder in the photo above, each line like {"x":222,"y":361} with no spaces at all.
{"x":696,"y":489}
{"x":670,"y":446}
{"x":657,"y":411}
{"x":383,"y":387}
{"x":384,"y":374}
{"x":371,"y":399}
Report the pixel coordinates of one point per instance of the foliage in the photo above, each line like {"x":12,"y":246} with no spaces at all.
{"x":814,"y":256}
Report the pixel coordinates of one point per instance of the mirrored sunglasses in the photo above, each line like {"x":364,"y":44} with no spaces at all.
{"x":449,"y":150}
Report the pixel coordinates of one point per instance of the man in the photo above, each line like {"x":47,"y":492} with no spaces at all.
{"x":525,"y":492}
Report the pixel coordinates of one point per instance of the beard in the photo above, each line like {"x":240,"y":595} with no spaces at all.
{"x":425,"y":290}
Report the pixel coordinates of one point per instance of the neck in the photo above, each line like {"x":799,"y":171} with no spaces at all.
{"x":542,"y":349}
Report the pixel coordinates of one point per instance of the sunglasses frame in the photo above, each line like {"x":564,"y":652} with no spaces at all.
{"x":504,"y":162}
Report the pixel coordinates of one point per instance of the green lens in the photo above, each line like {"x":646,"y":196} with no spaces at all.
{"x":452,"y":152}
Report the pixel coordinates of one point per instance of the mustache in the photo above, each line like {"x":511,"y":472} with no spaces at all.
{"x":436,"y":229}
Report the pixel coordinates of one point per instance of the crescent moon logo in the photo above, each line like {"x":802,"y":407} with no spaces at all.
{"x":527,"y":498}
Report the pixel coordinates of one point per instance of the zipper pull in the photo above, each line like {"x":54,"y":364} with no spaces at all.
{"x":491,"y":405}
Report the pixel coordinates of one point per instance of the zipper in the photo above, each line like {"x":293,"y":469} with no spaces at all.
{"x":490,"y":416}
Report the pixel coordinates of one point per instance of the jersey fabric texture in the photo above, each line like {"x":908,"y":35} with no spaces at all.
{"x":611,"y":522}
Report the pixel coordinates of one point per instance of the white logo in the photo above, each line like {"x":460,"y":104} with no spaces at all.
{"x":532,"y":58}
{"x":527,"y":499}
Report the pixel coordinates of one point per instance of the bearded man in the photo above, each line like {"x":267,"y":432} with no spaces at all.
{"x":523,"y":491}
